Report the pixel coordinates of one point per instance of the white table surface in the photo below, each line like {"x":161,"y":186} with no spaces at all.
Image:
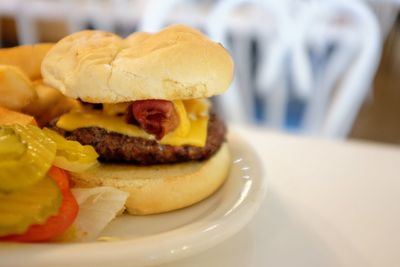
{"x":329,"y":203}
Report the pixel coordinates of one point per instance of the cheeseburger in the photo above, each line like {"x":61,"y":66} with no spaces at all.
{"x":145,"y":111}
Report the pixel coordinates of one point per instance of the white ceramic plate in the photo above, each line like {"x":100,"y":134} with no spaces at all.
{"x":157,"y":239}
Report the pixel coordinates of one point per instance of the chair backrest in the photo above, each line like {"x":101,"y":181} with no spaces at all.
{"x":77,"y":14}
{"x":28,"y":13}
{"x":325,"y":54}
{"x":158,"y":14}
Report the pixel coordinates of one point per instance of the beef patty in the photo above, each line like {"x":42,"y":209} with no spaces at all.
{"x":115,"y":147}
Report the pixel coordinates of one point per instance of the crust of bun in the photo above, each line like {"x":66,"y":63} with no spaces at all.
{"x":161,"y":188}
{"x":175,"y":63}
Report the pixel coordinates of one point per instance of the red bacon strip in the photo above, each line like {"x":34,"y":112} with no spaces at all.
{"x":157,"y":117}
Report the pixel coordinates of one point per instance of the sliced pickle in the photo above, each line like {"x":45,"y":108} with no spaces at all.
{"x":11,"y":146}
{"x":32,"y":205}
{"x":71,"y":155}
{"x":26,"y":155}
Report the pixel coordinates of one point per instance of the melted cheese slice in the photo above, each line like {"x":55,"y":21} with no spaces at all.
{"x":192,"y":129}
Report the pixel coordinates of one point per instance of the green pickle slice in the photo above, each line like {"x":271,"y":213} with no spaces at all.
{"x":32,"y":205}
{"x":71,"y":155}
{"x":11,"y":146}
{"x":26,"y":154}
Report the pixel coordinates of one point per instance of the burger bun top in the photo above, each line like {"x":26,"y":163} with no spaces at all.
{"x":175,"y":63}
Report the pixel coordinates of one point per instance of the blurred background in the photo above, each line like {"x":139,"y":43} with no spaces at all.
{"x":323,"y":68}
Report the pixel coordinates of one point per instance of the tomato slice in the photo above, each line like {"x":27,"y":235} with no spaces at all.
{"x":55,"y":225}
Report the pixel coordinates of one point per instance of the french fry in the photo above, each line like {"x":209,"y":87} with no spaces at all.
{"x":50,"y":103}
{"x":8,"y":116}
{"x":27,"y":57}
{"x":16,"y":89}
{"x":19,"y":66}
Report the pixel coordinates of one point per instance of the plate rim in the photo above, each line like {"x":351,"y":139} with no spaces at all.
{"x":177,"y":248}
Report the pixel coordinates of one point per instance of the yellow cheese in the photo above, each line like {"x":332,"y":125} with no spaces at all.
{"x":198,"y":107}
{"x":115,"y":109}
{"x":184,"y":124}
{"x":196,"y":137}
{"x":192,"y":130}
{"x":80,"y":119}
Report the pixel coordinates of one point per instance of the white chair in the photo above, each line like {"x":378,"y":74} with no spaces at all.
{"x":350,"y":25}
{"x":28,"y":13}
{"x":357,"y":81}
{"x":386,"y":11}
{"x":158,"y":14}
{"x":101,"y":14}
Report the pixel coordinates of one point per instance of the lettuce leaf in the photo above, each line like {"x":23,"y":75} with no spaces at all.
{"x":98,"y":206}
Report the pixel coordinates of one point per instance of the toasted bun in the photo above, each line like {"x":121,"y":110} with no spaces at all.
{"x":161,"y":188}
{"x":175,"y":63}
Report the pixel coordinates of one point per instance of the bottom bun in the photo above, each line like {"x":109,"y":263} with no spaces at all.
{"x":161,"y":188}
